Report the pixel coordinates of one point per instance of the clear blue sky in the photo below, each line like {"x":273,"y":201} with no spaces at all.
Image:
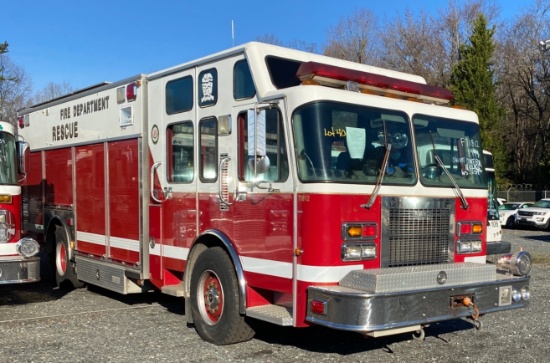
{"x":87,"y":42}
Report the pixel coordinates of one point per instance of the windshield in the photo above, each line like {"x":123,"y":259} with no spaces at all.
{"x":457,"y":144}
{"x":509,"y":206}
{"x":543,"y":203}
{"x":8,"y":173}
{"x":337,"y":142}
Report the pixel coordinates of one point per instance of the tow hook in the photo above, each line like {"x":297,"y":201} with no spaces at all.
{"x":475,"y":315}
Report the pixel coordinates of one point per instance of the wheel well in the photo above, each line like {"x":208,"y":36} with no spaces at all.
{"x":208,"y":240}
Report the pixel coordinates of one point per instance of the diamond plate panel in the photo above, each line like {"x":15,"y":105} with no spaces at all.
{"x":419,"y":277}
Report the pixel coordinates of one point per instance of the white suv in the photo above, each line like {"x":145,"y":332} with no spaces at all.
{"x":537,"y":216}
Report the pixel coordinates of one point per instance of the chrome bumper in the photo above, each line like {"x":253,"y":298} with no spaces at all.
{"x":16,"y":269}
{"x":387,"y":299}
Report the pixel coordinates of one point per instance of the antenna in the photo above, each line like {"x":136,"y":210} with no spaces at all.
{"x":232,"y":34}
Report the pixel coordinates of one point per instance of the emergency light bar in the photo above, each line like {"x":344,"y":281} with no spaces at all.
{"x":336,"y":76}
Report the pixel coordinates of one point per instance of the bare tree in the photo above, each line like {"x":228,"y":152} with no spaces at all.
{"x":428,"y":45}
{"x":355,"y":38}
{"x":15,"y":86}
{"x":524,"y":86}
{"x":295,"y":44}
{"x":51,"y":91}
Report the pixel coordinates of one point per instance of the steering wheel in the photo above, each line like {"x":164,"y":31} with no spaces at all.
{"x":431,"y":170}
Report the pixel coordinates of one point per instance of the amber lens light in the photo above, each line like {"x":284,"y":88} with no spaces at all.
{"x":477,"y":228}
{"x":355,"y":231}
{"x":5,"y":198}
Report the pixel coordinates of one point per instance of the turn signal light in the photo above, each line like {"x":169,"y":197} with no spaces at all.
{"x":366,"y":230}
{"x":469,"y":228}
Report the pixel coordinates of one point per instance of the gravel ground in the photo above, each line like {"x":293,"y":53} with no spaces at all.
{"x":39,"y":323}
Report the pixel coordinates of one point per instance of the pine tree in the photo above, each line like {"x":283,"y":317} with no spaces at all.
{"x":473,"y":84}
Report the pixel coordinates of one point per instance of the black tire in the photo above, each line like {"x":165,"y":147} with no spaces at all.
{"x":65,"y":274}
{"x":215,"y":300}
{"x":510,"y":222}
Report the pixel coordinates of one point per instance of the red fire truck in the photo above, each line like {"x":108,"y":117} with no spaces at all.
{"x":269,"y":183}
{"x":19,"y":261}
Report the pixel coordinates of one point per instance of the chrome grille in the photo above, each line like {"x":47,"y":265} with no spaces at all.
{"x":416,"y":231}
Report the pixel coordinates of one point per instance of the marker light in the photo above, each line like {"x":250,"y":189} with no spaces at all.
{"x":5,"y":198}
{"x":319,"y":307}
{"x":131,"y":92}
{"x":337,"y":76}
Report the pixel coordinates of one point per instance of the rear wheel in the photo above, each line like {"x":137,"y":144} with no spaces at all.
{"x":215,"y":300}
{"x":65,"y":274}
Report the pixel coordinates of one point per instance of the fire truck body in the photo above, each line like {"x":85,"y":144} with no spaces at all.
{"x":270,"y":183}
{"x":19,"y":262}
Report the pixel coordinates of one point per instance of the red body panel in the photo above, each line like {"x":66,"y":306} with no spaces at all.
{"x":59,"y":176}
{"x":90,"y":196}
{"x":124,"y":199}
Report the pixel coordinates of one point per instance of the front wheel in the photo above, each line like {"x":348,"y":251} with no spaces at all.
{"x":65,"y":273}
{"x":510,"y":222}
{"x":215,"y":300}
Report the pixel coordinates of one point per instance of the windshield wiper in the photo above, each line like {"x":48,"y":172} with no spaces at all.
{"x":457,"y":189}
{"x":380,"y":179}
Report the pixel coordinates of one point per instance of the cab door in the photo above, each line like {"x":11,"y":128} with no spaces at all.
{"x":263,"y":201}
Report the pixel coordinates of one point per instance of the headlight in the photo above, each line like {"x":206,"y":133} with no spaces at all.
{"x":516,"y":295}
{"x":468,"y":246}
{"x":28,"y":247}
{"x":358,"y":252}
{"x":525,"y":293}
{"x":7,"y":226}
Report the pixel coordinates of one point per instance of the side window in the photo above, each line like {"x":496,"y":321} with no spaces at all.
{"x":180,"y":144}
{"x":275,"y":149}
{"x":208,"y":137}
{"x":179,"y":95}
{"x":243,"y":86}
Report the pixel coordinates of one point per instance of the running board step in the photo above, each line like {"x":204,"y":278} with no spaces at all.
{"x":276,"y":314}
{"x":173,"y":290}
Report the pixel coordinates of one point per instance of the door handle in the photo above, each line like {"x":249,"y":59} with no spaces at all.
{"x":167,"y":191}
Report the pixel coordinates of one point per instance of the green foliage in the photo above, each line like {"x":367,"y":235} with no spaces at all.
{"x":473,"y":84}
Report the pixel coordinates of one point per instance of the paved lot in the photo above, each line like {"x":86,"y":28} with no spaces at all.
{"x":40,"y":323}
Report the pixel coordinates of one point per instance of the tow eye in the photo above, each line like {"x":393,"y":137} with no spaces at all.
{"x":468,"y":302}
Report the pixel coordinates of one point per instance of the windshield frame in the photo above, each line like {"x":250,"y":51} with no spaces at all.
{"x":8,"y":159}
{"x":438,"y":131}
{"x":323,"y":131}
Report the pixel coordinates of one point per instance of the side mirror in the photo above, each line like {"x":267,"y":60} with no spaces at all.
{"x":23,"y":159}
{"x":262,"y":163}
{"x":257,"y":158}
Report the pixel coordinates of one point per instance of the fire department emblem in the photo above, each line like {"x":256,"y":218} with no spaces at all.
{"x":155,"y":134}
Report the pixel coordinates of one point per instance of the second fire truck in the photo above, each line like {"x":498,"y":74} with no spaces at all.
{"x":274,"y":184}
{"x":19,"y":260}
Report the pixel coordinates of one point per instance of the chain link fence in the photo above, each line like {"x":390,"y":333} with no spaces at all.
{"x":522,"y":193}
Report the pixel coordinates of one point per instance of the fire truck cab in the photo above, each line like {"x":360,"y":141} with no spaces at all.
{"x":19,"y":261}
{"x":274,"y":184}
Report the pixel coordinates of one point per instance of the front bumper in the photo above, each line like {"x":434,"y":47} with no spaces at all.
{"x":390,"y":299}
{"x":531,"y":222}
{"x":16,"y":269}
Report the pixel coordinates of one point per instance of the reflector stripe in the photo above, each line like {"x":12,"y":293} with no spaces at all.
{"x":8,"y":249}
{"x":322,"y":274}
